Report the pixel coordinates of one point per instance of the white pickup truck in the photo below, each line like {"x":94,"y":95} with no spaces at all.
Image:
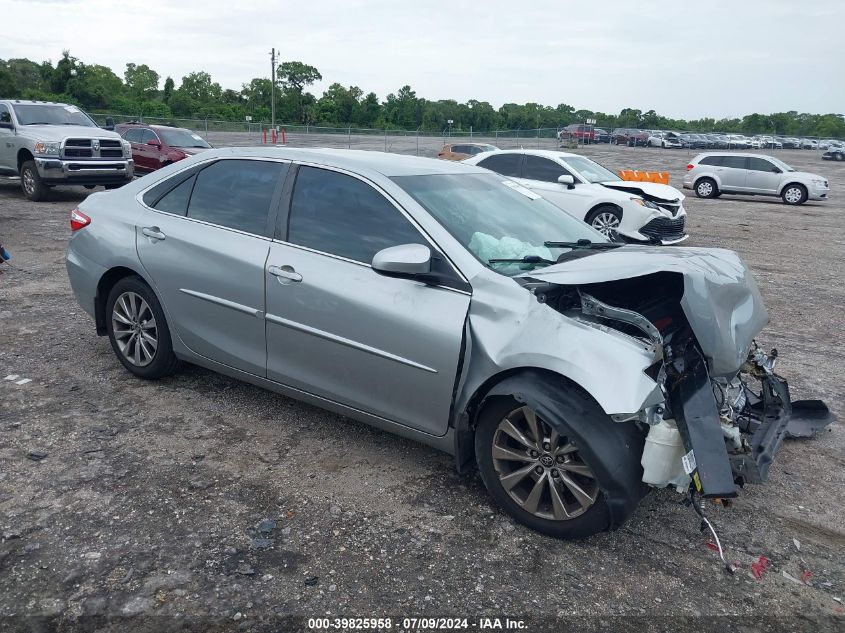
{"x":49,"y":144}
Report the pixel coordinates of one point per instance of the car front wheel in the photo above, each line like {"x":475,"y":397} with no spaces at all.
{"x":794,"y":194}
{"x":138,"y":330}
{"x":544,"y":475}
{"x":605,"y":219}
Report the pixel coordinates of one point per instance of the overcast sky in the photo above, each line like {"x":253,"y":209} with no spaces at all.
{"x":683,"y":59}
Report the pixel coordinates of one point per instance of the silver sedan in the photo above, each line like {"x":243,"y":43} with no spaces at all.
{"x":439,"y":301}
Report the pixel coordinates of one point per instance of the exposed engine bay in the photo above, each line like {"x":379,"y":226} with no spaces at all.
{"x":714,"y":431}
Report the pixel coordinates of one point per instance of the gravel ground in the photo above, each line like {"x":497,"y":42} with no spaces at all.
{"x":198,"y":501}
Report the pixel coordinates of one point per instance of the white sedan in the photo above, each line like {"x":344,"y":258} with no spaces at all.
{"x":636,"y":211}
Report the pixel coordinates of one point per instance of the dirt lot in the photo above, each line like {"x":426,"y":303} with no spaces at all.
{"x":202,"y":502}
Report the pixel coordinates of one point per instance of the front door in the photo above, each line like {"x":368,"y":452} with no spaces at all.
{"x":205,"y":248}
{"x":340,"y":330}
{"x":8,"y":160}
{"x":762,"y":176}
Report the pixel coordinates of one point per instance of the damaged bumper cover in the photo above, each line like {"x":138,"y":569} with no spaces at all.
{"x":767,"y":419}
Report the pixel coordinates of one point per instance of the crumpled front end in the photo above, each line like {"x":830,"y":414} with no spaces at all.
{"x":724,"y":411}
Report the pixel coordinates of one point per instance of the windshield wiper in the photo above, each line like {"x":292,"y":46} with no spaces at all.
{"x":39,"y":123}
{"x":528,"y":259}
{"x":583,"y":243}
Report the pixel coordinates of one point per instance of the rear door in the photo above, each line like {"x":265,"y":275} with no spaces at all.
{"x":204,"y":244}
{"x":340,"y":330}
{"x":732,"y":172}
{"x":762,"y":176}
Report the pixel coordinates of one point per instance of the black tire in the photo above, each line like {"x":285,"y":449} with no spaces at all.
{"x":163,"y":361}
{"x":706,"y":188}
{"x":794,"y":194}
{"x":31,"y":184}
{"x":620,"y":452}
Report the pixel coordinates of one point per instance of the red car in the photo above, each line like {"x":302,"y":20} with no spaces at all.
{"x":154,"y":146}
{"x":578,"y":131}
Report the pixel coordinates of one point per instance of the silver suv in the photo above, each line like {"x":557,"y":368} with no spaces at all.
{"x":49,"y":144}
{"x":713,"y":173}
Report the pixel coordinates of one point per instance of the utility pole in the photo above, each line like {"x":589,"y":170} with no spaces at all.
{"x":273,"y":88}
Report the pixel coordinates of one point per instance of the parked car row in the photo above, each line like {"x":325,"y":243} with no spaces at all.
{"x":456,"y":306}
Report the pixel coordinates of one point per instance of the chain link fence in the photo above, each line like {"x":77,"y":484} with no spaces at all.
{"x":421,"y":143}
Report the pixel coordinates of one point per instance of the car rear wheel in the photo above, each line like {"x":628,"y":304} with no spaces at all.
{"x":794,"y":194}
{"x":31,"y":183}
{"x":138,"y":330}
{"x":605,"y":219}
{"x":706,"y":188}
{"x":541,"y":474}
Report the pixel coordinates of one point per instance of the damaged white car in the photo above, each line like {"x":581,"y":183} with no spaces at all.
{"x":450,"y":305}
{"x":635,"y":211}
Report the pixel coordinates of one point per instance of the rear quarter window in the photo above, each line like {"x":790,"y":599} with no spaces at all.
{"x":711,"y":160}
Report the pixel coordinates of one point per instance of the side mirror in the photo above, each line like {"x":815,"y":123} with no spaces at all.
{"x":776,"y":170}
{"x":406,"y":260}
{"x":154,"y":144}
{"x":8,"y":125}
{"x":566,"y":179}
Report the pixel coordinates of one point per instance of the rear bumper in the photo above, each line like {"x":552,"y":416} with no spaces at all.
{"x":85,"y":172}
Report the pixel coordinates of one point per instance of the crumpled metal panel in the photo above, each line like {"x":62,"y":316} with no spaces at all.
{"x":608,"y":364}
{"x":721,"y":300}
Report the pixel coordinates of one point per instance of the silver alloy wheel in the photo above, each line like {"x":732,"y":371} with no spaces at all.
{"x":606,"y":222}
{"x":28,"y":182}
{"x":704,"y":188}
{"x":541,"y":470}
{"x":793,"y":195}
{"x":134,"y":327}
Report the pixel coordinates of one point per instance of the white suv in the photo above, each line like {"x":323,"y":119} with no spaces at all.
{"x":637,"y":211}
{"x":713,"y":173}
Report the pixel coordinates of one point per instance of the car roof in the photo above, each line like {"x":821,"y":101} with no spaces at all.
{"x":29,"y":102}
{"x":743,"y":154}
{"x":360,"y":161}
{"x":546,"y":153}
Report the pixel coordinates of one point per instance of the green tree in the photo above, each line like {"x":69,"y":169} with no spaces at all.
{"x":8,"y":85}
{"x":199,"y":87}
{"x":66,"y":68}
{"x":141,"y":81}
{"x":169,"y":85}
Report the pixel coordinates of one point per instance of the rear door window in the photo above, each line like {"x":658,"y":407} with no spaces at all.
{"x":341,"y":215}
{"x":236,"y":194}
{"x":460,"y":149}
{"x":133,"y":135}
{"x":505,"y":164}
{"x":734,"y":162}
{"x":543,"y":169}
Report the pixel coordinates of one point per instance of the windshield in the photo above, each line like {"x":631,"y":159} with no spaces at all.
{"x":780,"y":163}
{"x":46,"y":114}
{"x":182,"y":138}
{"x":496,"y":218}
{"x":590,"y":170}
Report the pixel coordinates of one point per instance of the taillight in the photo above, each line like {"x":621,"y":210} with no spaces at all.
{"x":78,"y":220}
{"x":690,"y":166}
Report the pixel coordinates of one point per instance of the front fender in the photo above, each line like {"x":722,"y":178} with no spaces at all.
{"x":509,"y":329}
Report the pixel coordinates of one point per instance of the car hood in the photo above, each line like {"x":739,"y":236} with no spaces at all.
{"x":648,"y":190}
{"x":60,"y":132}
{"x":721,"y":300}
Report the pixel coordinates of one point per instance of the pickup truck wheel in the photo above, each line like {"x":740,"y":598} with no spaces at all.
{"x":794,"y":194}
{"x":31,"y":183}
{"x":706,"y":188}
{"x":540,"y":474}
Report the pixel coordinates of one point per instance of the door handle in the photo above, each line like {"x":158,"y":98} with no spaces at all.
{"x":153,"y":232}
{"x":285,"y":274}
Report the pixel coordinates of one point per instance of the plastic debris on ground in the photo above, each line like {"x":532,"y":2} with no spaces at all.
{"x":760,"y":567}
